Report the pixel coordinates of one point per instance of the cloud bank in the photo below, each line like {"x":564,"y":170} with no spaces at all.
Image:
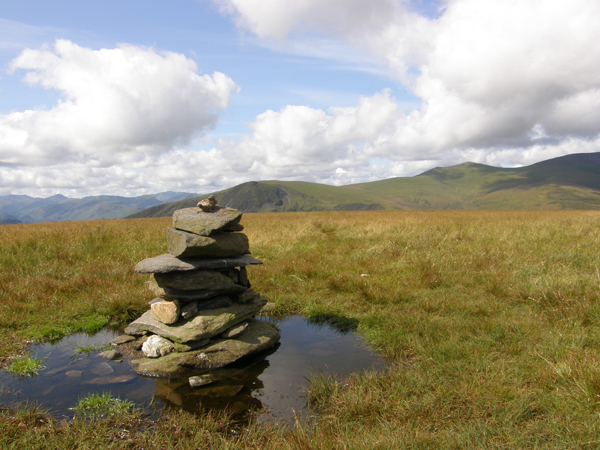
{"x":491,"y":75}
{"x":502,"y":83}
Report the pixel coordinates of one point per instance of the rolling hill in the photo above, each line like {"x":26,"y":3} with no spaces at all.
{"x":567,"y":182}
{"x":24,"y":209}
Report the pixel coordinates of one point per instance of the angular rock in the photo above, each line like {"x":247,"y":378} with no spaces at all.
{"x":236,"y":227}
{"x":243,"y":277}
{"x":209,"y":324}
{"x":189,"y":310}
{"x":259,"y":336}
{"x":204,"y":223}
{"x":234,"y":331}
{"x":168,"y":263}
{"x":192,"y":345}
{"x":191,"y":280}
{"x":213,"y":303}
{"x":208,"y":203}
{"x":123,"y":339}
{"x":189,"y":296}
{"x":247,"y":295}
{"x":232,"y":274}
{"x":166,"y":312}
{"x":219,"y":244}
{"x":157,"y":346}
{"x":110,"y":355}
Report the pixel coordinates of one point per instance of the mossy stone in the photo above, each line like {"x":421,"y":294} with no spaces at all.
{"x":206,"y":325}
{"x":259,"y":336}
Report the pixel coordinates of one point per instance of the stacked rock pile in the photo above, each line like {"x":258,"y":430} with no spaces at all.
{"x":202,"y":316}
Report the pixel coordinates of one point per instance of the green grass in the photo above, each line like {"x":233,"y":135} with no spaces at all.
{"x":97,"y":406}
{"x":490,"y":322}
{"x":26,"y":366}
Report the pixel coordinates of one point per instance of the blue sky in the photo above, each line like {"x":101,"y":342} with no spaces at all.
{"x":132,"y":97}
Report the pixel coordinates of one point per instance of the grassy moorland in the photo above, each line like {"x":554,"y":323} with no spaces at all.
{"x":491,"y":322}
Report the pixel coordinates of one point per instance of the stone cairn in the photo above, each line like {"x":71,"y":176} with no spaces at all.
{"x":202,"y":316}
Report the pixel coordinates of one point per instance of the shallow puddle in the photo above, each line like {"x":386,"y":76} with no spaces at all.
{"x":272,"y":384}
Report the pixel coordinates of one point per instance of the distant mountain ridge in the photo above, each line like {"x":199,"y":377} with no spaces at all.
{"x":24,"y":209}
{"x":567,"y":182}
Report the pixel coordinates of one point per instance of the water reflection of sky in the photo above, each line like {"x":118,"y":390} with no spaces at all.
{"x":273,"y":383}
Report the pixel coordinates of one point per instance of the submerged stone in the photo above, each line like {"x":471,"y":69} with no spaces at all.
{"x":111,"y":380}
{"x":207,"y":325}
{"x":202,"y":380}
{"x":110,"y":355}
{"x":204,"y":223}
{"x":259,"y":336}
{"x":218,"y":244}
{"x":221,"y":391}
{"x":103,"y":369}
{"x":168,"y":263}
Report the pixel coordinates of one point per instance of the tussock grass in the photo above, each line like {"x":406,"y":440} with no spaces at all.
{"x":97,"y":406}
{"x":26,"y":365}
{"x":61,"y":278}
{"x":490,"y":321}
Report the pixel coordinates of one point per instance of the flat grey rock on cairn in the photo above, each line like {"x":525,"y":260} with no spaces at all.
{"x":203,"y":316}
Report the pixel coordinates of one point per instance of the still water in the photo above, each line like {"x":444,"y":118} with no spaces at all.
{"x":271,"y":385}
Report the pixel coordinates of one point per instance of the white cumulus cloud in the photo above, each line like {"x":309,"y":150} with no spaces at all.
{"x":495,"y":78}
{"x":507,"y":82}
{"x":117,"y":105}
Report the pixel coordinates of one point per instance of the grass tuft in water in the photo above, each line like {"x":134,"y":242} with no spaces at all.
{"x":26,"y":366}
{"x":95,"y":406}
{"x":88,"y":348}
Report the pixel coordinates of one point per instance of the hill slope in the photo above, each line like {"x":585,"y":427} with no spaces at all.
{"x":568,"y":182}
{"x":22,"y":208}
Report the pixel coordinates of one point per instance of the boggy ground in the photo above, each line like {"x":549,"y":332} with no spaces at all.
{"x":491,"y":321}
